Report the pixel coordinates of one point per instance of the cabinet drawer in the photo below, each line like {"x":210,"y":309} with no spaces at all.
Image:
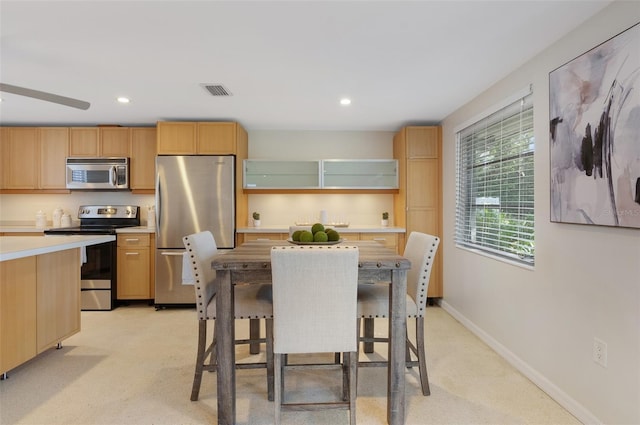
{"x":346,"y":237}
{"x":133,"y":239}
{"x":390,"y":240}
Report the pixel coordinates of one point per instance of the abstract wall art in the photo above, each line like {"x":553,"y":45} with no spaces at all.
{"x":594,"y":126}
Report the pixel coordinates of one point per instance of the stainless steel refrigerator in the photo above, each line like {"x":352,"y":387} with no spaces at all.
{"x":193,"y":194}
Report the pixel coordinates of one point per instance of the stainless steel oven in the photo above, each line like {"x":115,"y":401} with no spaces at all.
{"x":98,"y":277}
{"x":98,"y":272}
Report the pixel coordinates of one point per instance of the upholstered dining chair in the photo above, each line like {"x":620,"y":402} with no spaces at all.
{"x":314,"y":306}
{"x":373,"y":301}
{"x":252,"y":301}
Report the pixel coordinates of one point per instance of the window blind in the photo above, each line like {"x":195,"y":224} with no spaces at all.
{"x":494,"y":184}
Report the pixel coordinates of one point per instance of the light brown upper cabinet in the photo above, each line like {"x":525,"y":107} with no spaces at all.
{"x":33,"y":158}
{"x":418,"y":203}
{"x":198,"y":138}
{"x":99,"y":142}
{"x":114,"y":141}
{"x":176,"y":138}
{"x":83,"y":141}
{"x":54,"y":149}
{"x":20,"y":157}
{"x":143,"y":158}
{"x":216,"y":138}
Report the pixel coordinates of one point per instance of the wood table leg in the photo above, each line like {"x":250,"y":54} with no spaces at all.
{"x":225,"y":347}
{"x":397,"y":348}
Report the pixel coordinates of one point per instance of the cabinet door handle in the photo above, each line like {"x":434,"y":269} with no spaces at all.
{"x":379,"y":239}
{"x":131,"y":253}
{"x":132,"y":239}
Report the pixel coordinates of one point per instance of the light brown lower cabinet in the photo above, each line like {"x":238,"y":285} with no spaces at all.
{"x":39,"y":304}
{"x":135,"y":266}
{"x":389,"y":240}
{"x":246,"y":237}
{"x":57,"y":297}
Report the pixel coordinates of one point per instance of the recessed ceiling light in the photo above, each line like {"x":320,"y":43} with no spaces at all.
{"x":345,"y":101}
{"x":124,"y":100}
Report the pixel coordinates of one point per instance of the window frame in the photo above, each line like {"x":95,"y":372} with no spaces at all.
{"x":501,"y":243}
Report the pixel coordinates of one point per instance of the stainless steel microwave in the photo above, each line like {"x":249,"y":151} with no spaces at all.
{"x":98,"y":173}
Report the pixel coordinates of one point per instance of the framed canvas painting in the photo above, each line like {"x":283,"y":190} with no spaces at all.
{"x":594,"y":126}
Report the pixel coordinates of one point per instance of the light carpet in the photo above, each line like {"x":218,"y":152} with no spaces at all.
{"x":134,"y":365}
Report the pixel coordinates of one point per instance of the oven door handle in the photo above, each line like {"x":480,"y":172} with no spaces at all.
{"x":173,"y":253}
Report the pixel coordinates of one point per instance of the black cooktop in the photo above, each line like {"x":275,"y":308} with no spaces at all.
{"x":87,"y":230}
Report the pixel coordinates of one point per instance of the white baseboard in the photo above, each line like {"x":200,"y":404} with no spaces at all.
{"x":562,"y":398}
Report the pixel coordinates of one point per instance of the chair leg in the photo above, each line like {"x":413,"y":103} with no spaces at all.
{"x":357,"y":353}
{"x":278,"y":390}
{"x":270,"y":366}
{"x":355,"y":387}
{"x":213,"y":354}
{"x":422,"y":361}
{"x":345,"y":377}
{"x":407,"y":358}
{"x":254,"y":333}
{"x":202,"y":343}
{"x":353,"y":384}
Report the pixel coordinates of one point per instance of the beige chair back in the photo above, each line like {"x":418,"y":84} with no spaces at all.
{"x":201,"y":247}
{"x":314,"y":298}
{"x":421,"y":251}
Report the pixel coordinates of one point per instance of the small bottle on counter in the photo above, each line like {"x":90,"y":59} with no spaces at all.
{"x":57,"y":217}
{"x":151,"y":217}
{"x":324,"y":218}
{"x":65,"y":221}
{"x":41,"y":220}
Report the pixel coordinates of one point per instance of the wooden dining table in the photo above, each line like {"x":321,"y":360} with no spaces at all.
{"x":251,"y":262}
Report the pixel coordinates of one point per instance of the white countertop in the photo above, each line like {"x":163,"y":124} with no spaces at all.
{"x":25,"y":228}
{"x":351,"y":229}
{"x":20,"y":228}
{"x":279,"y":228}
{"x":13,"y":247}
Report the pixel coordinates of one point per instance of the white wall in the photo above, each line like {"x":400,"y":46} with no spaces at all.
{"x":586,"y":281}
{"x":285,"y":209}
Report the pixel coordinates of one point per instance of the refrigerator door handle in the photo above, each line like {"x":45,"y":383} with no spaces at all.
{"x":158,"y":208}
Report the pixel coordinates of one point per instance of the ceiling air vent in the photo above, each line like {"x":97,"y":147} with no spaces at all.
{"x":217,"y":90}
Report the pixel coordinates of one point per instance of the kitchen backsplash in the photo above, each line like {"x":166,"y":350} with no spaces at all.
{"x":23,"y":208}
{"x":274,"y":209}
{"x":360,"y":209}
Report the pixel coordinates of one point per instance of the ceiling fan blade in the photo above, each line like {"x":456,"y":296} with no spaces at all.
{"x":49,"y":97}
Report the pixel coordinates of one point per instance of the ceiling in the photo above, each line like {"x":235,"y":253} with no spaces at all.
{"x":286,"y":64}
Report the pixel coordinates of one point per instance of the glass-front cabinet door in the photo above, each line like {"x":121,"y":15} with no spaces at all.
{"x":359,"y":174}
{"x":269,"y":174}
